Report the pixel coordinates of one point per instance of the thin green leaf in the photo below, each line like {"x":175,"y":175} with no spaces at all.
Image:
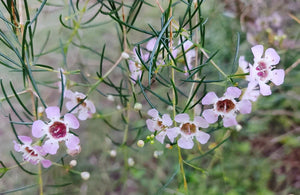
{"x":29,"y":172}
{"x":237,"y":48}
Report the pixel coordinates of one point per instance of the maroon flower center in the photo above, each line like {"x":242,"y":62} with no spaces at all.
{"x":160,"y":125}
{"x":31,"y":152}
{"x":79,"y":100}
{"x":225,"y":105}
{"x":58,"y":130}
{"x":188,"y":128}
{"x":262,"y":70}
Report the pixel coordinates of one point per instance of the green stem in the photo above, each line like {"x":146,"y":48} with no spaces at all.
{"x":40,"y":179}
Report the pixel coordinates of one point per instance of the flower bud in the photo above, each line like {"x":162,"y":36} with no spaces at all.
{"x":85,"y":175}
{"x":113,"y":153}
{"x":157,"y":153}
{"x":73,"y":163}
{"x":140,"y":143}
{"x":130,"y":162}
{"x":238,"y":127}
{"x":110,"y":98}
{"x":137,"y":106}
{"x":125,"y":55}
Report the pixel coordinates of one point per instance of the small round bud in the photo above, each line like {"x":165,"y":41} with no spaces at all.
{"x":75,"y":151}
{"x":73,"y":163}
{"x":110,"y":98}
{"x":40,"y":110}
{"x":140,"y":143}
{"x":157,"y":153}
{"x":85,"y":175}
{"x":238,"y":127}
{"x":170,"y":107}
{"x":148,"y":137}
{"x":130,"y":162}
{"x":138,"y":106}
{"x":169,"y":146}
{"x":125,"y":55}
{"x":119,"y":107}
{"x":113,"y":153}
{"x":152,"y":136}
{"x":152,"y":142}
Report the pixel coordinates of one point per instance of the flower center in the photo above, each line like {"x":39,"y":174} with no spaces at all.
{"x":31,"y":152}
{"x":262,"y":70}
{"x":79,"y":100}
{"x":58,"y":130}
{"x":160,"y":126}
{"x":188,"y":128}
{"x":225,"y":105}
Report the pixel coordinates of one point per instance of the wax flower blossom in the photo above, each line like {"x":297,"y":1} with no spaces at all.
{"x":262,"y":71}
{"x":135,"y":66}
{"x":189,"y":54}
{"x":85,"y":110}
{"x":33,"y":154}
{"x":56,"y":130}
{"x":159,"y":124}
{"x":188,"y":130}
{"x":226,"y":106}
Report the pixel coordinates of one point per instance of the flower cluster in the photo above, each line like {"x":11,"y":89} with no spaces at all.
{"x":226,"y":107}
{"x":57,"y":129}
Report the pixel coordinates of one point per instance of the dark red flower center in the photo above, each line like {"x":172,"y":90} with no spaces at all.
{"x":188,"y":128}
{"x":79,"y":100}
{"x":58,"y":130}
{"x":31,"y":152}
{"x":225,"y":105}
{"x":262,"y":70}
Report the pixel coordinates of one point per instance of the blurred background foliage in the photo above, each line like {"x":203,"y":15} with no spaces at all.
{"x":262,"y":158}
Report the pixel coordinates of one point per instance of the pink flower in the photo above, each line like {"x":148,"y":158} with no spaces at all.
{"x":161,"y":125}
{"x":225,"y":106}
{"x":188,"y":130}
{"x":189,"y":54}
{"x":85,"y":110}
{"x":262,"y":71}
{"x":56,"y":130}
{"x":251,"y":93}
{"x":135,"y":67}
{"x":32,"y":154}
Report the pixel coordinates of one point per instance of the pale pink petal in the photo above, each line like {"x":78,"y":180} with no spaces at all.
{"x":53,"y":113}
{"x":83,"y":115}
{"x":251,"y":93}
{"x":151,"y":124}
{"x":210,"y":98}
{"x":233,"y":92}
{"x":200,"y":122}
{"x":91,"y":106}
{"x":265,"y":89}
{"x":70,"y":105}
{"x":17,"y":146}
{"x":25,"y":139}
{"x":69,"y":94}
{"x":185,"y":143}
{"x":46,"y":163}
{"x":153,"y":112}
{"x":257,"y":51}
{"x":244,"y":106}
{"x":210,"y":116}
{"x":38,"y":128}
{"x":278,"y":76}
{"x":166,"y":120}
{"x":182,"y":118}
{"x":187,"y":45}
{"x":161,"y":136}
{"x":229,"y":121}
{"x":50,"y":147}
{"x":72,"y":142}
{"x":202,"y":137}
{"x":71,"y":121}
{"x":272,"y":56}
{"x":150,"y":45}
{"x":40,"y":150}
{"x":172,"y":133}
{"x":244,"y":64}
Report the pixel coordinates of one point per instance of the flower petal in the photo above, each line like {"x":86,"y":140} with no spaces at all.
{"x":210,"y":98}
{"x":53,"y":112}
{"x":172,"y":133}
{"x":186,"y":143}
{"x":200,"y":122}
{"x":38,"y":128}
{"x":229,"y":121}
{"x":233,"y":92}
{"x":272,"y":56}
{"x":46,"y":163}
{"x":257,"y":51}
{"x":244,"y":64}
{"x":70,"y":105}
{"x":71,"y":121}
{"x":151,"y":124}
{"x":150,"y":45}
{"x":50,"y":147}
{"x":161,"y":136}
{"x":72,"y":142}
{"x":69,"y":94}
{"x":91,"y":106}
{"x":17,"y":146}
{"x":202,"y":137}
{"x":25,"y":139}
{"x":278,"y":76}
{"x":244,"y":106}
{"x":153,"y":112}
{"x":182,"y":118}
{"x":265,"y":89}
{"x":166,"y":120}
{"x":83,"y":115}
{"x":210,"y":116}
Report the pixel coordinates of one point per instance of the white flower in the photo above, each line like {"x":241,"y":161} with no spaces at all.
{"x":85,"y":175}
